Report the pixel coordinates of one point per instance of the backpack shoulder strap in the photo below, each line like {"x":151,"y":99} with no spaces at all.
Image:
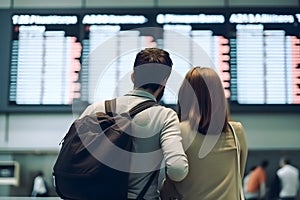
{"x":140,"y":107}
{"x":110,"y":107}
{"x":146,"y":187}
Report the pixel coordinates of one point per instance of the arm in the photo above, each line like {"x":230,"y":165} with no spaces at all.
{"x":262,"y":190}
{"x":171,"y":142}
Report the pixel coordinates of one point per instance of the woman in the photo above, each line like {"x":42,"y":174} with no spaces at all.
{"x":215,"y":172}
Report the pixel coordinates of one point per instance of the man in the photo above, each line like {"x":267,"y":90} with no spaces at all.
{"x":155,"y":129}
{"x":289,"y":178}
{"x":256,"y":186}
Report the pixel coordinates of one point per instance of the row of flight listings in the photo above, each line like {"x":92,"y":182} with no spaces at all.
{"x":259,"y":62}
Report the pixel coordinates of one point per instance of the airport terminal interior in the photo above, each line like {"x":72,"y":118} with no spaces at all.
{"x":55,"y":56}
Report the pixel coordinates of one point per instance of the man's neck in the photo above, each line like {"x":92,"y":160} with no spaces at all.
{"x":146,"y":90}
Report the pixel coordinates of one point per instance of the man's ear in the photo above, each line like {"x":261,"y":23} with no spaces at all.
{"x":164,"y":82}
{"x":132,"y":77}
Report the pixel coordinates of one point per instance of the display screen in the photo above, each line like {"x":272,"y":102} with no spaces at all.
{"x":265,"y":58}
{"x":9,"y":173}
{"x":110,"y":44}
{"x":45,"y":54}
{"x":61,"y":58}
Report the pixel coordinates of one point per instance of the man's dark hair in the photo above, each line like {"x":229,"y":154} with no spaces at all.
{"x":151,"y":67}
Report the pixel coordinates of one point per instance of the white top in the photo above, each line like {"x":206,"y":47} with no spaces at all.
{"x":157,"y":135}
{"x":39,"y":186}
{"x":246,"y":193}
{"x":289,"y":177}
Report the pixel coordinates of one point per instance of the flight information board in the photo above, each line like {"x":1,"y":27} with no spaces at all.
{"x":265,"y":58}
{"x":195,"y":39}
{"x":53,"y":59}
{"x":109,"y":75}
{"x":45,"y":54}
{"x":117,"y":38}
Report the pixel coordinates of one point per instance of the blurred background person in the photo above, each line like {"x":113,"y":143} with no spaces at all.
{"x":256,"y":185}
{"x":40,"y":188}
{"x":245,"y":183}
{"x":289,"y":178}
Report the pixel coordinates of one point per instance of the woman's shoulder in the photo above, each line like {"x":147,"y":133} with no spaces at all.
{"x":188,"y":135}
{"x":185,"y":124}
{"x":238,"y":126}
{"x":240,"y":132}
{"x":186,"y":128}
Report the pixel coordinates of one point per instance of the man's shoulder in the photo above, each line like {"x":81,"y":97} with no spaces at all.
{"x":165,"y":110}
{"x":124,"y":105}
{"x":293,"y":168}
{"x":93,"y":108}
{"x":257,"y":171}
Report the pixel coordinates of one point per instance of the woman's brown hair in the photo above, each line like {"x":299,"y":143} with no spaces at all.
{"x":202,"y":102}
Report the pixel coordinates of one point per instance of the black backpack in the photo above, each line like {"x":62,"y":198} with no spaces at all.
{"x":83,"y":167}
